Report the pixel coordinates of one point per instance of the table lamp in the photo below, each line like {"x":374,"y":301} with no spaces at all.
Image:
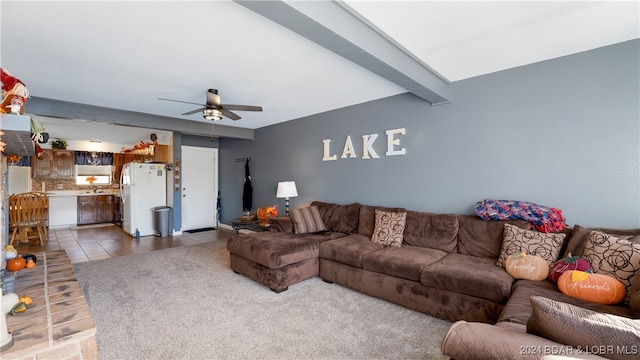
{"x":286,"y":189}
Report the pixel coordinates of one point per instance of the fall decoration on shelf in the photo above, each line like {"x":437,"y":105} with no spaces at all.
{"x":144,"y":148}
{"x":91,"y":179}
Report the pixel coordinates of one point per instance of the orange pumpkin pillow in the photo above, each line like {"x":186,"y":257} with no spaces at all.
{"x":597,"y":288}
{"x":528,"y":267}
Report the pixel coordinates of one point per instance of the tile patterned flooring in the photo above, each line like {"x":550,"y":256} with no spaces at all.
{"x":86,"y":243}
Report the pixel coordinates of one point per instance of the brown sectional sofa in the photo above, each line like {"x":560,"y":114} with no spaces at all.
{"x":446,"y":267}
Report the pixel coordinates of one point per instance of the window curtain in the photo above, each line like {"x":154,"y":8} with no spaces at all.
{"x":93,"y":158}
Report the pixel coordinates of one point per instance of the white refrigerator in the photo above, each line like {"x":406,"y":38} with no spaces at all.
{"x":143,"y":186}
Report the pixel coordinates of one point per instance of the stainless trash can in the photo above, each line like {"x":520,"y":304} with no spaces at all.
{"x":161,"y":220}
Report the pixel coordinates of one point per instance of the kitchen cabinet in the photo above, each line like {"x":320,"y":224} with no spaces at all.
{"x":160,"y":154}
{"x":95,"y":209}
{"x":63,"y":211}
{"x":53,"y":164}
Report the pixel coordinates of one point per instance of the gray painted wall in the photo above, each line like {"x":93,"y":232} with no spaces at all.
{"x":563,"y":133}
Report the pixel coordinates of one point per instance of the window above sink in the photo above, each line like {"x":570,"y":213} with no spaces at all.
{"x":93,"y":175}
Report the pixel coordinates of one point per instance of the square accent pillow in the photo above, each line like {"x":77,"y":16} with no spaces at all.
{"x":307,"y":220}
{"x":516,"y":240}
{"x":389,"y":227}
{"x":613,"y":256}
{"x":584,"y":328}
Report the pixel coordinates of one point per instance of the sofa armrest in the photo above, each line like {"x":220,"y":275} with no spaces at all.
{"x":281,"y":224}
{"x":480,"y":341}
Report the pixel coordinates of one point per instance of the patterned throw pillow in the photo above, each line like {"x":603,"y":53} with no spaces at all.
{"x":613,"y":256}
{"x":389,"y":228}
{"x":307,"y":220}
{"x":516,"y":240}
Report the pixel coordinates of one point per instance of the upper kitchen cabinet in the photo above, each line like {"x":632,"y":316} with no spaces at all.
{"x":161,"y":153}
{"x":53,"y":164}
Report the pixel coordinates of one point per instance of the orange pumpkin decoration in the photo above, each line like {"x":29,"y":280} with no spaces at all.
{"x":30,"y":264}
{"x":262,"y":213}
{"x":16,"y":264}
{"x":529,"y":267}
{"x":597,"y":288}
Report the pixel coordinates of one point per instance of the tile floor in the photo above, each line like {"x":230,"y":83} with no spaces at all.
{"x":86,"y":243}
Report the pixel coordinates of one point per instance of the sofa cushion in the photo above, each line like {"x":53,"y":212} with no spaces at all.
{"x":469,"y":275}
{"x":583,"y":328}
{"x":516,"y":240}
{"x":367,"y":218}
{"x":339,"y":218}
{"x":580,"y":237}
{"x":349,"y":250}
{"x":613,"y":256}
{"x":404,"y":262}
{"x":518,"y":308}
{"x":483,"y":238}
{"x":280,"y":224}
{"x":437,"y":231}
{"x":389,"y":228}
{"x":275,"y":250}
{"x":307,"y":220}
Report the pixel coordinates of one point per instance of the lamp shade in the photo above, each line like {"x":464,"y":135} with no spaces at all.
{"x":287,"y":189}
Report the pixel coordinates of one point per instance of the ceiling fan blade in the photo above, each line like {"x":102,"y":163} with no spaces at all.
{"x":241,"y":107}
{"x":184,"y":102}
{"x":194,"y":111}
{"x":230,"y":115}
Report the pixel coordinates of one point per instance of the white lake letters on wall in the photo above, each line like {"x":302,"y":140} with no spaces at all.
{"x":368,"y":152}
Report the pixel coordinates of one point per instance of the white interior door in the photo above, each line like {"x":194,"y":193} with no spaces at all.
{"x":199,"y":187}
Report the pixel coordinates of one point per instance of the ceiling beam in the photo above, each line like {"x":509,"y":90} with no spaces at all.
{"x":64,"y":109}
{"x":337,"y":27}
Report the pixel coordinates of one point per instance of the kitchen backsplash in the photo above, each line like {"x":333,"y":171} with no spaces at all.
{"x":63,"y":184}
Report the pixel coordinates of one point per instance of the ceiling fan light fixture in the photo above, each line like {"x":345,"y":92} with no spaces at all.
{"x":212,"y":114}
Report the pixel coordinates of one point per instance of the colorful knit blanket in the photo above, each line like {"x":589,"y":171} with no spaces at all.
{"x":544,"y":219}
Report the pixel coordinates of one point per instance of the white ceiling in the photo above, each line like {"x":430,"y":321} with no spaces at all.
{"x":125,"y":55}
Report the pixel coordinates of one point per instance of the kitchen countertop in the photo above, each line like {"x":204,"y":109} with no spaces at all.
{"x":63,"y":193}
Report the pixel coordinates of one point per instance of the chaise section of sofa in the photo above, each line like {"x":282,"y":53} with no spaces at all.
{"x":277,"y":260}
{"x":280,"y":257}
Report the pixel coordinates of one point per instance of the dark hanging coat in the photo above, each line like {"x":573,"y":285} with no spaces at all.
{"x":247,"y":193}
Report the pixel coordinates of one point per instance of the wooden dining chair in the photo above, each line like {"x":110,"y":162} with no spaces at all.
{"x":28,"y":213}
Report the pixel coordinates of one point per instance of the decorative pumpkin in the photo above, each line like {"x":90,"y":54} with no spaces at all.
{"x":16,"y":264}
{"x":529,"y":267}
{"x":30,"y":264}
{"x":597,"y":288}
{"x":26,"y":257}
{"x":566,"y":264}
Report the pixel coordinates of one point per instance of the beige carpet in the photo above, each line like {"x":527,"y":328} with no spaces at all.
{"x":186,"y":303}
